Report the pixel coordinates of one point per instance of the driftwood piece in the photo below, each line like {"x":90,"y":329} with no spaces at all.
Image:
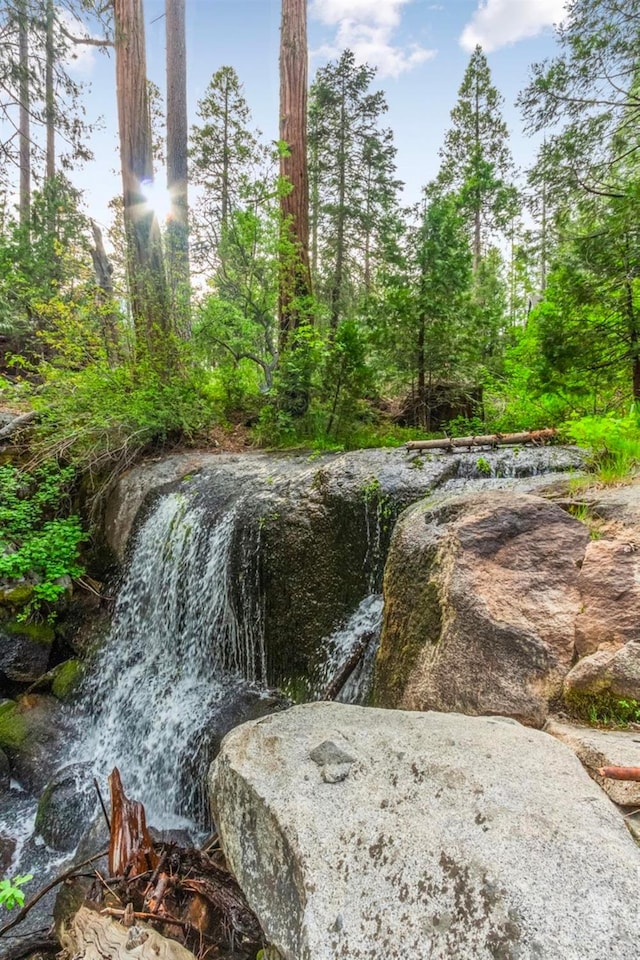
{"x":131,"y":847}
{"x":620,"y":773}
{"x":17,"y":424}
{"x":94,"y":936}
{"x":490,"y":440}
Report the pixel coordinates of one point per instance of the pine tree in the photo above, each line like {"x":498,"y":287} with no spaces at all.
{"x":226,"y":156}
{"x":476,"y":158}
{"x":353,"y":184}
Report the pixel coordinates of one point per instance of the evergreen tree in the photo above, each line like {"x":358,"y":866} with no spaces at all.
{"x":353,"y":184}
{"x":225,"y":156}
{"x":476,"y":158}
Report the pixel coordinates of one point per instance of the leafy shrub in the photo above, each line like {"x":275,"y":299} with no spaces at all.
{"x":10,"y":893}
{"x":613,"y":443}
{"x":35,"y":541}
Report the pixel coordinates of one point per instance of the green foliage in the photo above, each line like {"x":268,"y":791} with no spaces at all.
{"x":37,"y":543}
{"x":613,"y":444}
{"x":10,"y":893}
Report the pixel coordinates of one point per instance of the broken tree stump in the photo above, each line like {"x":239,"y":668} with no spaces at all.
{"x":131,"y":847}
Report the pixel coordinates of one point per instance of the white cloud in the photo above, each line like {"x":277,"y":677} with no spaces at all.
{"x":81,"y":57}
{"x":367,"y":28}
{"x":497,"y":23}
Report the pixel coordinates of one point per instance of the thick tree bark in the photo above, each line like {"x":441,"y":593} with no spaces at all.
{"x":295,"y":283}
{"x":145,"y":263}
{"x":24,"y":122}
{"x":177,"y":168}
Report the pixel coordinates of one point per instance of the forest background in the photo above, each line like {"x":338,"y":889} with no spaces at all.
{"x":503,"y":300}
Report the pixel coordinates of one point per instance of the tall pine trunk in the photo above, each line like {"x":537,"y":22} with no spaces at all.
{"x":50,"y":106}
{"x":177,"y":166}
{"x":145,"y":264}
{"x":24,"y":121}
{"x":295,"y":282}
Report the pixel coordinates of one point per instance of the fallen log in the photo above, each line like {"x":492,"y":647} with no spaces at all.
{"x":490,"y":440}
{"x":620,"y":773}
{"x":94,"y":936}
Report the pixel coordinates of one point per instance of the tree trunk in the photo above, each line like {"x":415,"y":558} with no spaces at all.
{"x":295,"y":281}
{"x":338,"y":277}
{"x":477,"y":215}
{"x":422,"y":386}
{"x":145,"y":264}
{"x":177,"y":169}
{"x":50,"y":106}
{"x":24,"y":129}
{"x":106,"y":307}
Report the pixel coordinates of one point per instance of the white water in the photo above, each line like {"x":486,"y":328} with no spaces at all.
{"x":178,"y":647}
{"x":363,"y":627}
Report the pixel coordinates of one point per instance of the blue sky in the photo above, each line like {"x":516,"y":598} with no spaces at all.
{"x":421,"y":48}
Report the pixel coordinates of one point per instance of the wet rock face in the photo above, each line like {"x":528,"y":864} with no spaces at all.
{"x":480,"y":603}
{"x":427,"y":844}
{"x":312,"y":533}
{"x":32,"y":731}
{"x":25,"y":649}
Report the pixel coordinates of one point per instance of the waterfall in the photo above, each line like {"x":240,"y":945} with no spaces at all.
{"x":180,"y":646}
{"x":362,"y":630}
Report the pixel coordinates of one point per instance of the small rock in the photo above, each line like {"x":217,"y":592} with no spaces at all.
{"x":330,"y":752}
{"x":613,"y":670}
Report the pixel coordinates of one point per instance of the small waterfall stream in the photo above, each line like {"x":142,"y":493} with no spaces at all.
{"x":179,"y":648}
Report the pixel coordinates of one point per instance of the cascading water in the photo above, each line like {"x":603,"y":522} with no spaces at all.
{"x":178,"y":649}
{"x":360,"y":635}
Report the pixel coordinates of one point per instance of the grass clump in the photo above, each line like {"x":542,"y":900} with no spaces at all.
{"x":603,"y":709}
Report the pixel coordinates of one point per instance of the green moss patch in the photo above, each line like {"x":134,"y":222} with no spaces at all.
{"x":13,"y":729}
{"x":38,"y":632}
{"x":66,"y":679}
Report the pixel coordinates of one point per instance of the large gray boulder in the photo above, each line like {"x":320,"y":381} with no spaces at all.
{"x":481,"y":597}
{"x":359,"y":833}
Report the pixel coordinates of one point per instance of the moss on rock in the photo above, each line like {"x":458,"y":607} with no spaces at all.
{"x":42,"y":633}
{"x":66,"y":679}
{"x":13,"y":729}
